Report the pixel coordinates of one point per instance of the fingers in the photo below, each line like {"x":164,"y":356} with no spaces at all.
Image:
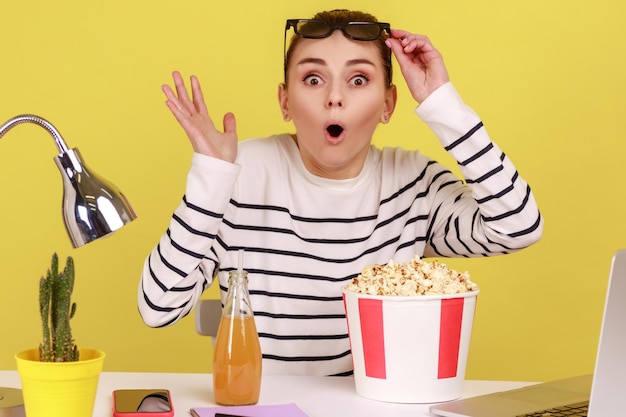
{"x":183,"y":95}
{"x":192,"y":115}
{"x":180,"y":114}
{"x":179,"y":83}
{"x":410,"y":42}
{"x":173,"y":104}
{"x":180,"y":99}
{"x":198,"y":97}
{"x":172,"y":101}
{"x":420,"y":63}
{"x":230,"y":125}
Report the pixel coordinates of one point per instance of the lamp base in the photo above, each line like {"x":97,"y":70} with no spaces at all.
{"x":11,"y":402}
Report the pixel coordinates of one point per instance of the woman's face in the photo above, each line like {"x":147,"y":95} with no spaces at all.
{"x":336,"y":97}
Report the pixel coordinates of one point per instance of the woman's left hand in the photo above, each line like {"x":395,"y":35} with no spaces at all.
{"x":420,"y":63}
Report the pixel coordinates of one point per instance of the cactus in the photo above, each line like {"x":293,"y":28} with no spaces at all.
{"x":56,"y":309}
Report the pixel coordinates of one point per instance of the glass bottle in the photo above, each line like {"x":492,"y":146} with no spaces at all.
{"x":237,"y":351}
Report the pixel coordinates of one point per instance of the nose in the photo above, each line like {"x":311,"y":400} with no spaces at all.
{"x":335,"y":98}
{"x":333,"y":103}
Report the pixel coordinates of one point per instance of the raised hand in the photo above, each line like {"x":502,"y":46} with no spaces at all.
{"x":193,"y":116}
{"x":420,"y":63}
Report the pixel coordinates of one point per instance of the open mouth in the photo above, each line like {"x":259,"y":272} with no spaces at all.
{"x":334,"y":130}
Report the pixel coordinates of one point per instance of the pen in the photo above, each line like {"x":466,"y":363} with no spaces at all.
{"x":227,"y":415}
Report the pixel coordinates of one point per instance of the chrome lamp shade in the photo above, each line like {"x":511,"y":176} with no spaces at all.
{"x":92,"y":206}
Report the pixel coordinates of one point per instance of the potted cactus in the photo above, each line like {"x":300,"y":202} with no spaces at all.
{"x":58,"y":378}
{"x":56,"y":309}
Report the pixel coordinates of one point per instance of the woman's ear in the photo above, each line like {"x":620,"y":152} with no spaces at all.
{"x":282,"y":101}
{"x":391,"y":98}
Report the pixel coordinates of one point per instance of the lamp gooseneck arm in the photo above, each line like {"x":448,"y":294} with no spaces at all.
{"x":31,"y":118}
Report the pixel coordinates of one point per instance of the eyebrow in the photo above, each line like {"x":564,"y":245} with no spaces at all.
{"x":320,"y":61}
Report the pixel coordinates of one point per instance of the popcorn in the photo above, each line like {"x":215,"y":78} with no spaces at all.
{"x":416,"y":277}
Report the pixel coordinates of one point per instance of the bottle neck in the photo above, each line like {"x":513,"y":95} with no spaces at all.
{"x":238,"y":299}
{"x":237,"y":278}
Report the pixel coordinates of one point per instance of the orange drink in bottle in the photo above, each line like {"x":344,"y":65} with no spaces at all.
{"x":237,"y":352}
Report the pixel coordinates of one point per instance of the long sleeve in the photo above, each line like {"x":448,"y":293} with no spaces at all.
{"x":180,"y":267}
{"x":499,"y":213}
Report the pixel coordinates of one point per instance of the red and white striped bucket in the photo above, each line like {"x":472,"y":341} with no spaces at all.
{"x":410,"y":349}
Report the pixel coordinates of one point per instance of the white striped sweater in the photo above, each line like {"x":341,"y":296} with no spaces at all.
{"x":305,"y":237}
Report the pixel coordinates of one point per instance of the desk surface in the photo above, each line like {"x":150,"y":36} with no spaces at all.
{"x":316,"y":396}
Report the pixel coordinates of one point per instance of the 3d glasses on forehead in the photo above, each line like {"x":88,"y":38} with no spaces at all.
{"x":317,"y":29}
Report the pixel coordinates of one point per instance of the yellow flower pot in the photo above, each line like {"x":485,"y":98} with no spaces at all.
{"x":59,"y":389}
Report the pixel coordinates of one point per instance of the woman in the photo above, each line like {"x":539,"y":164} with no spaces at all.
{"x":312,"y":209}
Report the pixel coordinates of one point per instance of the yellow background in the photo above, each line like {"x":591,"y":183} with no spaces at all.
{"x":547,"y":77}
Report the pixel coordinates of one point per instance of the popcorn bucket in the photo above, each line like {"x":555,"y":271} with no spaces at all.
{"x":410,"y":349}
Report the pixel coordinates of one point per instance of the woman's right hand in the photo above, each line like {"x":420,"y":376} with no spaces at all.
{"x":193,"y":116}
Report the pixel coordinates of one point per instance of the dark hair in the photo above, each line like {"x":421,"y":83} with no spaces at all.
{"x":342,"y":16}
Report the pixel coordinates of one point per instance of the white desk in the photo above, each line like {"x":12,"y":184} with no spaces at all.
{"x":316,"y":396}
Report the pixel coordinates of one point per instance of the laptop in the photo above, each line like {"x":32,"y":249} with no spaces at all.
{"x":601,"y":393}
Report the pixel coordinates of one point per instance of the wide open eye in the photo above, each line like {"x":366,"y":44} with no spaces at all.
{"x":359,"y":80}
{"x":312,"y":79}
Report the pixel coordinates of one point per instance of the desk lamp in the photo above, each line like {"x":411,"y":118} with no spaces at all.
{"x":92,"y":208}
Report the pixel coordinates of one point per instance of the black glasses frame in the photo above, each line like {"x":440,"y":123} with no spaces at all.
{"x":293,"y":23}
{"x":382,"y":27}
